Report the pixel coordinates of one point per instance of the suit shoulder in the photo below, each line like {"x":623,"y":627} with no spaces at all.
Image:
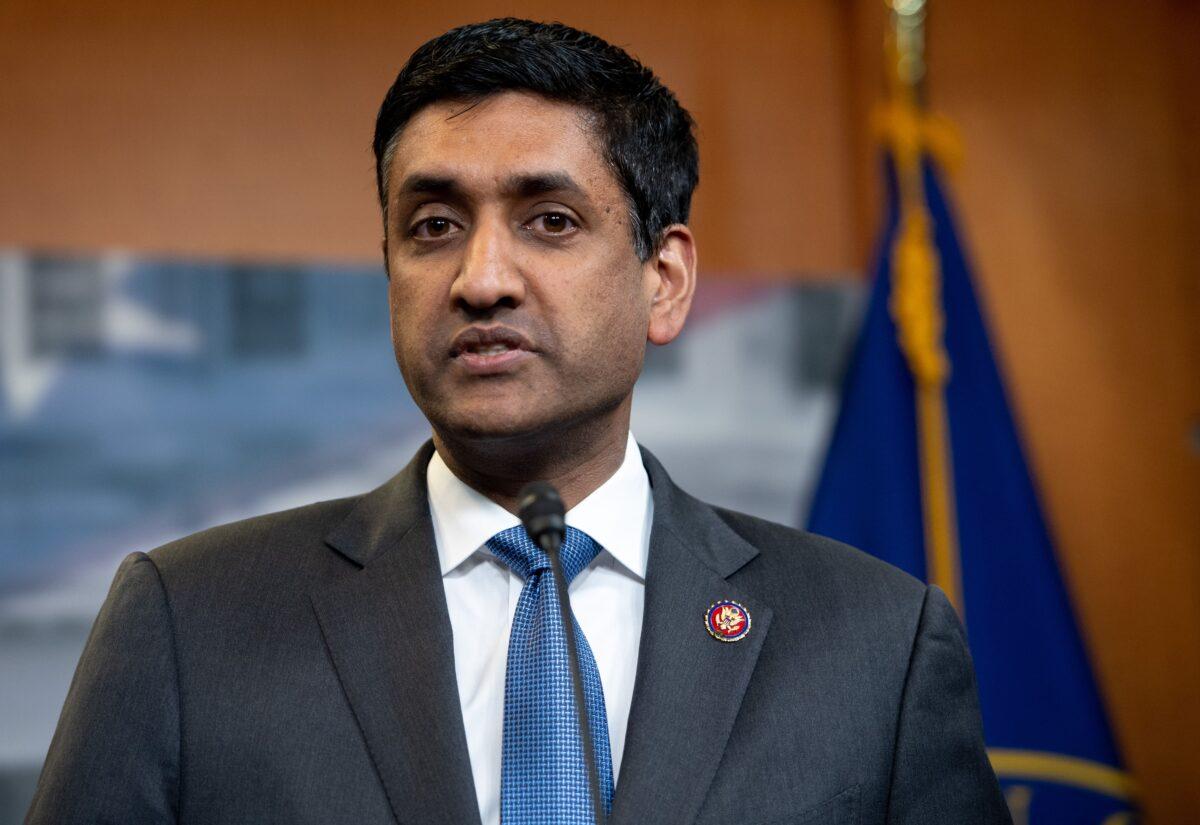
{"x":255,"y":539}
{"x":817,"y":557}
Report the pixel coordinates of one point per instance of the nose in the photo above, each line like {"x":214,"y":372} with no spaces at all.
{"x":488,"y":276}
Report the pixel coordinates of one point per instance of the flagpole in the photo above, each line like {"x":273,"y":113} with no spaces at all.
{"x":916,"y":300}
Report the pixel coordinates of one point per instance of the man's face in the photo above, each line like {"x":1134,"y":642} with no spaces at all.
{"x":517,"y":302}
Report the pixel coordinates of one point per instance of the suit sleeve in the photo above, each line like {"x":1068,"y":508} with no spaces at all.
{"x":115,"y":755}
{"x":941,"y":772}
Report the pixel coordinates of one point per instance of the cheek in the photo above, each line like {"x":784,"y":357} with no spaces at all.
{"x":405,"y":316}
{"x":396,"y":303}
{"x":613,"y":321}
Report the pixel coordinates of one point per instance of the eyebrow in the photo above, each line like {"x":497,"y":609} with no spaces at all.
{"x":419,"y":184}
{"x":524,"y":185}
{"x":541,"y":183}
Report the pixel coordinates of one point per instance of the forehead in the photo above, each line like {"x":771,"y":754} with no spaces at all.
{"x":480,"y":144}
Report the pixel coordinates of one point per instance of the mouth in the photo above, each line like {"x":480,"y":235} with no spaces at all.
{"x":490,"y":350}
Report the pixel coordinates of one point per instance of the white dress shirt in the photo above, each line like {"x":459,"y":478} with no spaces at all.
{"x":482,"y":593}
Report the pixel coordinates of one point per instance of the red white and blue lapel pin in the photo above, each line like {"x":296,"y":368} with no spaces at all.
{"x":727,"y":621}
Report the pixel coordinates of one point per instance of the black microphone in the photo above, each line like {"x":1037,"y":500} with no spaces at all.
{"x":541,"y":510}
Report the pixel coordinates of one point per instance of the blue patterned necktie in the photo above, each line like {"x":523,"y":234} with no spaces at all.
{"x":543,"y":774}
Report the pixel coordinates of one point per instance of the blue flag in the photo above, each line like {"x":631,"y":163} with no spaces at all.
{"x":1043,"y":719}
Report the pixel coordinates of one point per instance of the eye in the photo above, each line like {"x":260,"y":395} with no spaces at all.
{"x":431,"y":229}
{"x":554,"y":223}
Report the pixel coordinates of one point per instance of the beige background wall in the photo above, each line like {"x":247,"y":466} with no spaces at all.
{"x":219,"y":129}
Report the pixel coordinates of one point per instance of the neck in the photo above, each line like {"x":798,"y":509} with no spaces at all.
{"x":576,"y":460}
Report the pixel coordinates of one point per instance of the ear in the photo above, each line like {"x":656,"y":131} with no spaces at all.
{"x":670,"y":284}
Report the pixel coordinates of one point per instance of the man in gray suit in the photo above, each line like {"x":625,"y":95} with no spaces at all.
{"x":344,"y":662}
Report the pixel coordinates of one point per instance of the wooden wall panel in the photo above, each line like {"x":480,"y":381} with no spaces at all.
{"x":244,"y":129}
{"x":1078,"y":198}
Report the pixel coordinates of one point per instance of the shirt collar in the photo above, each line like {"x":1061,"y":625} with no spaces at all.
{"x":618,"y":514}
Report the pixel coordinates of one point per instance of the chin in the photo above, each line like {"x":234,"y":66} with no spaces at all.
{"x":492,"y":422}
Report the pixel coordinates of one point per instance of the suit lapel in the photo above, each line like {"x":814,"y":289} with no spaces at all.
{"x":689,"y":686}
{"x":388,"y":632}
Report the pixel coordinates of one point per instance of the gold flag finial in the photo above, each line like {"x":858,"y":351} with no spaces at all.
{"x":906,"y":41}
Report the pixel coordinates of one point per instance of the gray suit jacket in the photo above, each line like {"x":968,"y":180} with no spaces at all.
{"x":298,"y":668}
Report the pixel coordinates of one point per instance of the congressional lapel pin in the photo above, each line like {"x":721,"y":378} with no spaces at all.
{"x":727,"y":621}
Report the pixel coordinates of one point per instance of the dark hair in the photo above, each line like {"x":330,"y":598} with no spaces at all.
{"x":647,"y":136}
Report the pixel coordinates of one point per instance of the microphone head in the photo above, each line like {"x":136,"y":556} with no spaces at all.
{"x":539,"y":498}
{"x":541,"y":510}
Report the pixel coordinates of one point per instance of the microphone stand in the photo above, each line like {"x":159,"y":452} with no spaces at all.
{"x":550,"y":541}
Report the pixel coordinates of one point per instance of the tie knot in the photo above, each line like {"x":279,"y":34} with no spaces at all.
{"x":514,"y":547}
